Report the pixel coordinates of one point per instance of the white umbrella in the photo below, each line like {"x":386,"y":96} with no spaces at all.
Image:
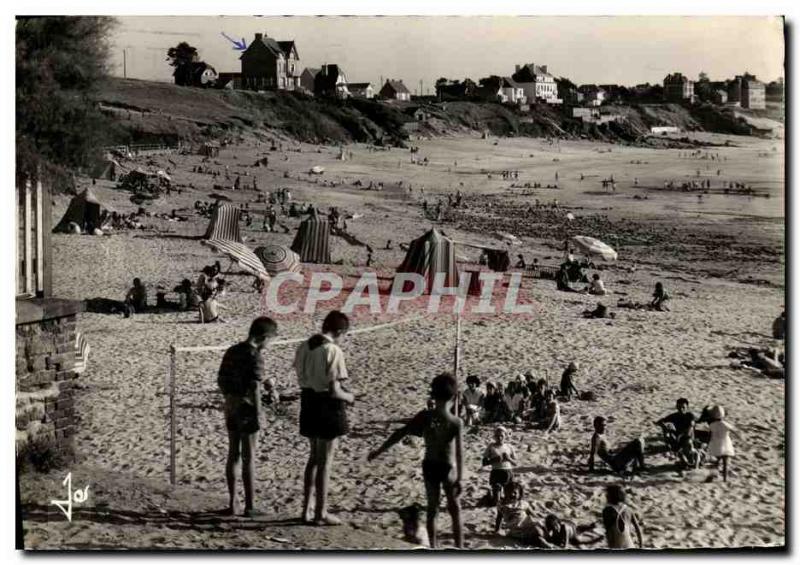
{"x":592,"y":246}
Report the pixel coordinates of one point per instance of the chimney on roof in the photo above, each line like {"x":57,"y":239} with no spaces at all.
{"x":517,"y":68}
{"x":544,"y":68}
{"x":259,"y":36}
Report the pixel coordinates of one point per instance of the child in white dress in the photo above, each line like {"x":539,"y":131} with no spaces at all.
{"x":721,"y":445}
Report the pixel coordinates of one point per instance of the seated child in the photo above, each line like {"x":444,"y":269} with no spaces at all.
{"x":632,"y":454}
{"x":502,"y":457}
{"x":515,"y":517}
{"x":493,"y":405}
{"x":596,"y":286}
{"x":136,"y":298}
{"x":472,"y":401}
{"x":562,"y":532}
{"x":552,"y":416}
{"x":689,"y":456}
{"x":660,"y":298}
{"x":567,"y":386}
{"x":444,"y":459}
{"x":677,"y":425}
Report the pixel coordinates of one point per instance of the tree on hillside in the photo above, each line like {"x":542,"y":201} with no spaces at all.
{"x":181,"y":57}
{"x":60,"y":62}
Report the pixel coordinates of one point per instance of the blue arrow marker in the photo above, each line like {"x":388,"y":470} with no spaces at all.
{"x":237,"y":45}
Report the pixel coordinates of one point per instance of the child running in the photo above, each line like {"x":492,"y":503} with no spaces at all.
{"x":444,"y":457}
{"x":501,"y":456}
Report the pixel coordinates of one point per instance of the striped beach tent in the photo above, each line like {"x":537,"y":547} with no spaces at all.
{"x":278,"y":259}
{"x":240,"y":254}
{"x":430,"y":254}
{"x":312,"y":241}
{"x":224,"y":224}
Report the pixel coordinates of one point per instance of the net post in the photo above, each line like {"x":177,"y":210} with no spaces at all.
{"x":172,"y":420}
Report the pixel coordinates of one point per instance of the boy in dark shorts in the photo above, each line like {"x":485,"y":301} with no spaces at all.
{"x":444,"y":458}
{"x":240,"y":376}
{"x":501,"y":456}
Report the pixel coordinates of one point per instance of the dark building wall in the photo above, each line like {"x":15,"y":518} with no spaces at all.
{"x":45,"y":377}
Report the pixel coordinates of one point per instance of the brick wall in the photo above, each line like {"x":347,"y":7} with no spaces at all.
{"x":45,"y":358}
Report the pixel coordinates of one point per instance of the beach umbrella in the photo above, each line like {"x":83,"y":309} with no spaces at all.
{"x":317,"y":170}
{"x":240,"y":254}
{"x":278,"y":259}
{"x":595,"y":247}
{"x":570,"y":216}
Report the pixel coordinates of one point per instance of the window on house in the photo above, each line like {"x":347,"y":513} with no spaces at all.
{"x":30,"y":238}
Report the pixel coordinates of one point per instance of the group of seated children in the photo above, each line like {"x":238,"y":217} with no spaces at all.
{"x":443,"y":470}
{"x":692,"y":446}
{"x":523,"y":399}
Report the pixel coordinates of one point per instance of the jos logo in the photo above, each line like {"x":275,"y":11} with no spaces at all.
{"x":78,"y":496}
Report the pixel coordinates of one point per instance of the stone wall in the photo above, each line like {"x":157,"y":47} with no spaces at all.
{"x":45,"y":379}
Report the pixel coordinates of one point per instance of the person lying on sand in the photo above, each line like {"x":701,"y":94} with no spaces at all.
{"x":620,"y":520}
{"x":600,"y":311}
{"x":632,"y":454}
{"x":677,"y":425}
{"x":444,"y":457}
{"x":501,"y":456}
{"x":516,"y":520}
{"x":560,"y":532}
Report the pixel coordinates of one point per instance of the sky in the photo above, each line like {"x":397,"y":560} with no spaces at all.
{"x":623,"y":50}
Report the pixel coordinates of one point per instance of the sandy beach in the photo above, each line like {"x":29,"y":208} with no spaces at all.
{"x":720,"y":256}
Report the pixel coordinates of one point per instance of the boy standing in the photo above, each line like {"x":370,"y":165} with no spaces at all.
{"x":444,"y":459}
{"x":501,"y":456}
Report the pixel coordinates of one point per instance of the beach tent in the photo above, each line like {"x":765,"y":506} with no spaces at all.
{"x":224,"y":224}
{"x":105,"y":169}
{"x":278,"y":259}
{"x":86,"y":211}
{"x":430,"y":254}
{"x":312,"y":241}
{"x":594,"y":247}
{"x":240,"y":254}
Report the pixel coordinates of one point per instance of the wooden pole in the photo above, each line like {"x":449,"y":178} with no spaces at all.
{"x":457,"y":358}
{"x":172,"y":420}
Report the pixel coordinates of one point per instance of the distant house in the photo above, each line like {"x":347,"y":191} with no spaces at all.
{"x":196,"y":73}
{"x":775,"y":90}
{"x":537,"y":83}
{"x":455,"y":90}
{"x":491,"y":90}
{"x":748,"y":92}
{"x":307,"y":79}
{"x":331,"y":82}
{"x":395,"y":90}
{"x":678,"y":88}
{"x":591,"y":95}
{"x":513,"y":92}
{"x":268,"y":64}
{"x":567,"y":91}
{"x":361,"y":89}
{"x":719,"y":97}
{"x":595,"y":115}
{"x":417,"y":113}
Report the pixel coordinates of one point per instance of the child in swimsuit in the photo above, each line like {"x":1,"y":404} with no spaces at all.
{"x":501,"y":456}
{"x":444,"y":458}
